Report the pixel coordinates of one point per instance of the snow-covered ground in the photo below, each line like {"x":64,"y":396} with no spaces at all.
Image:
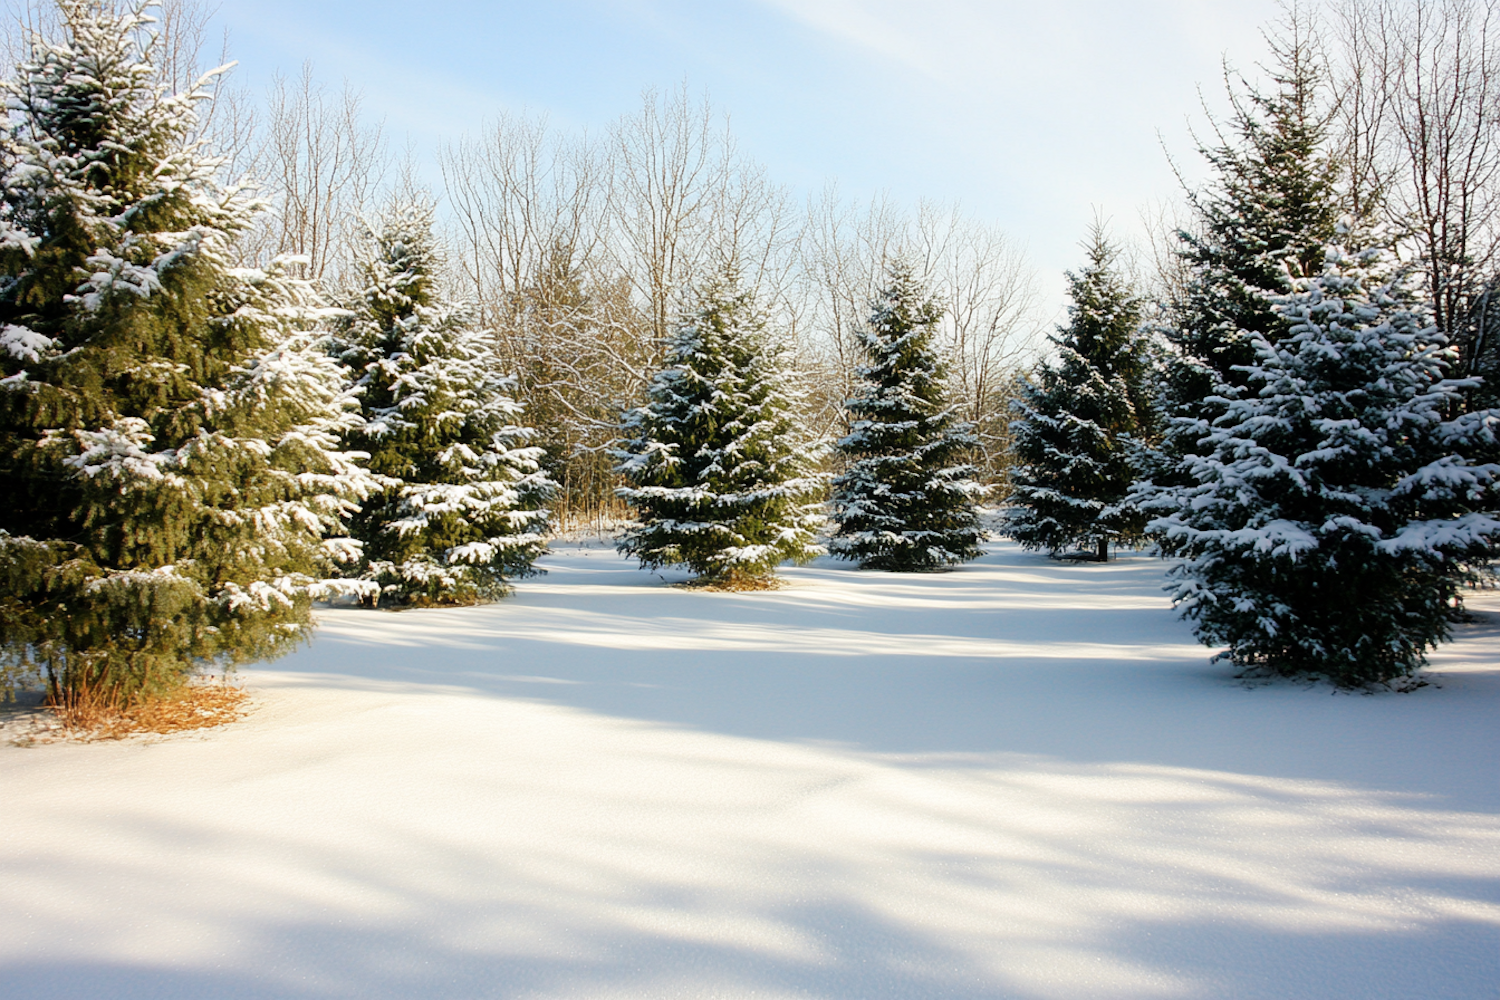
{"x":1021,"y":779}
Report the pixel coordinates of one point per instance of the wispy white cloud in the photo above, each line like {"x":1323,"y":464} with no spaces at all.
{"x":1039,"y":112}
{"x":1077,"y":46}
{"x":887,"y":28}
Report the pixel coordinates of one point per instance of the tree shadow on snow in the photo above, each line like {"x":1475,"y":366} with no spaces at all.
{"x":1013,"y":654}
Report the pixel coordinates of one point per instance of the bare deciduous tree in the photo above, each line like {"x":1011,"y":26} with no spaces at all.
{"x":982,"y":282}
{"x":530,"y":213}
{"x":182,"y":29}
{"x":844,"y":252}
{"x":320,"y":165}
{"x":670,"y":163}
{"x":1420,"y":111}
{"x":1363,"y":116}
{"x":990,"y":322}
{"x":1159,"y":268}
{"x":520,"y":196}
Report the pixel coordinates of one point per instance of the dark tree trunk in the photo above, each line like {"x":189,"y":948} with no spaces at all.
{"x":1104,"y":550}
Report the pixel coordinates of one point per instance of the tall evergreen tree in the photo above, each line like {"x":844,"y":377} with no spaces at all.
{"x":169,"y":424}
{"x":1081,"y":415}
{"x":908,"y":500}
{"x":717,"y":471}
{"x":1333,"y":518}
{"x":1263,"y":221}
{"x":464,"y":509}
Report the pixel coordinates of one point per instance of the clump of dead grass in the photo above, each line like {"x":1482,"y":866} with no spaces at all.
{"x":197,"y":705}
{"x":733,"y":584}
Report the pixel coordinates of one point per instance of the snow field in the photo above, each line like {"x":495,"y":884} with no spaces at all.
{"x":1019,"y":779}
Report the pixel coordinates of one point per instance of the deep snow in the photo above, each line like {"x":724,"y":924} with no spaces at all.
{"x":1020,"y":779}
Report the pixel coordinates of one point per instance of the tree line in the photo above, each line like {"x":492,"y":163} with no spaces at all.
{"x":221,"y":402}
{"x":244,"y":370}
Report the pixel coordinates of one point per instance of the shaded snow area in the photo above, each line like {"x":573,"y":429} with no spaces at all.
{"x":1020,"y":779}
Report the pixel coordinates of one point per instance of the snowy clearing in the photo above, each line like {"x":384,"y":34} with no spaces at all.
{"x":1020,"y":779}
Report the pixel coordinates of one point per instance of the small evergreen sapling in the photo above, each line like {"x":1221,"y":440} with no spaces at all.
{"x":463,"y":511}
{"x":908,"y":500}
{"x":169,"y":424}
{"x":717,"y":471}
{"x":1334,"y":517}
{"x":1081,"y":417}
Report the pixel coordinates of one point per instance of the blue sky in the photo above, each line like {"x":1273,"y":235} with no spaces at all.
{"x":1031,"y":115}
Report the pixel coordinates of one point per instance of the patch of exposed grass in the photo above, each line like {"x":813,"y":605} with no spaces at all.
{"x":734,"y":584}
{"x":199,"y":705}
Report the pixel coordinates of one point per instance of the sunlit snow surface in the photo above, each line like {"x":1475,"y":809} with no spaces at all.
{"x":1021,"y":779}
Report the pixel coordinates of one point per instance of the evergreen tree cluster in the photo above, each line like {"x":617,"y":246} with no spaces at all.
{"x":1324,"y":484}
{"x":195,"y":451}
{"x":187,"y":465}
{"x":722,"y":479}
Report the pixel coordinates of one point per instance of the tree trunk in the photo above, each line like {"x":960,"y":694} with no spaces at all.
{"x":1104,"y":550}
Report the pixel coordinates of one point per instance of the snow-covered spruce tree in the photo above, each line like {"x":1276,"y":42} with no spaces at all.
{"x":1263,"y":220}
{"x":464,"y":509}
{"x":1079,"y":417}
{"x":1334,"y":517}
{"x":718,"y":473}
{"x":169,"y":425}
{"x":908,"y":498}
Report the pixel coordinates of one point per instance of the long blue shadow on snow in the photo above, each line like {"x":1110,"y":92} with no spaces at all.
{"x":987,"y":659}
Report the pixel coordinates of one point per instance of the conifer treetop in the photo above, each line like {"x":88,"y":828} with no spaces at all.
{"x":1271,"y":206}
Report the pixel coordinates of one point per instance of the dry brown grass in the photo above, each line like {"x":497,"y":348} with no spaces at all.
{"x":736,"y":584}
{"x":200,"y":705}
